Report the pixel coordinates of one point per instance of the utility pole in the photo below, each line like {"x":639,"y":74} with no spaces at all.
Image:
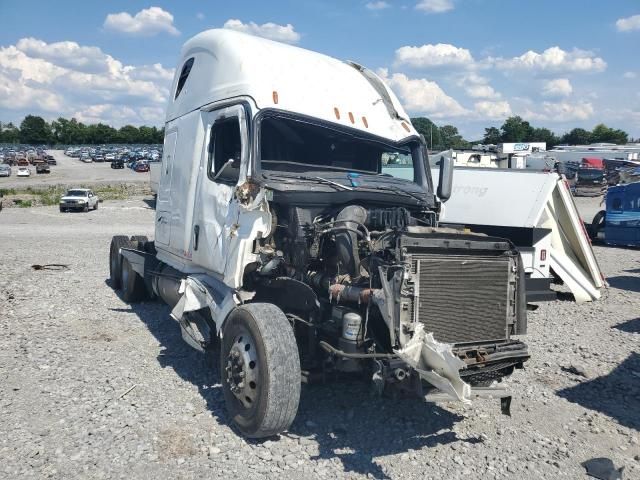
{"x":431,"y":135}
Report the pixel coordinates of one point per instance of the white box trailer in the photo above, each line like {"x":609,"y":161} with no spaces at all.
{"x":537,"y":212}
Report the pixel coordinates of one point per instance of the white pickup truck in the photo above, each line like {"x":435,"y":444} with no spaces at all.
{"x":79,"y":199}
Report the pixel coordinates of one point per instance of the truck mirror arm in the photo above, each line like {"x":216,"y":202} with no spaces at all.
{"x":224,"y":167}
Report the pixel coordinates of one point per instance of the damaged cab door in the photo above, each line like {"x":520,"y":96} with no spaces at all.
{"x":223,"y":220}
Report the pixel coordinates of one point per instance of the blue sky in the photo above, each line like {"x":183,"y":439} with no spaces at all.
{"x":469,"y":63}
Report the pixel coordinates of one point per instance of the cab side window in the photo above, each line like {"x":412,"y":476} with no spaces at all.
{"x":184,"y":74}
{"x":225,"y":150}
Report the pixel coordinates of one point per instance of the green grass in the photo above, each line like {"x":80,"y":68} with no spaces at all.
{"x":23,"y":203}
{"x":50,"y":195}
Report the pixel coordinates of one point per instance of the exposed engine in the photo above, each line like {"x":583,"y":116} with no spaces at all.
{"x":356,"y":282}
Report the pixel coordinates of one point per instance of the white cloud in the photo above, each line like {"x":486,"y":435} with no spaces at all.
{"x":422,"y":96}
{"x":441,"y":54}
{"x":379,"y":5}
{"x":66,"y":54}
{"x":64,"y":79}
{"x":155,"y":72}
{"x":553,"y":59}
{"x":630,"y":75}
{"x":434,"y":6}
{"x":477,"y":86}
{"x":561,"y":112}
{"x":481,"y":91}
{"x":628,"y":24}
{"x":493,"y":110}
{"x":281,"y":33}
{"x":559,"y":87}
{"x":147,"y":22}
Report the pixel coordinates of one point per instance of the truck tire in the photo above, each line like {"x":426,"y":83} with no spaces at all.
{"x":139,"y":242}
{"x":115,"y":260}
{"x":133,"y":288}
{"x":260,"y":370}
{"x":86,"y":208}
{"x":598,"y":224}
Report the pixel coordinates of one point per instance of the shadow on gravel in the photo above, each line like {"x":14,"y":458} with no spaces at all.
{"x":625,"y":282}
{"x":630,"y":326}
{"x":190,"y":365}
{"x":345,"y":420}
{"x":616,"y":394}
{"x":150,"y":201}
{"x":350,"y":424}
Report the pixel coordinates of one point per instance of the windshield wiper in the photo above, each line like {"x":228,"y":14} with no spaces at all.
{"x":399,"y":191}
{"x":311,"y":179}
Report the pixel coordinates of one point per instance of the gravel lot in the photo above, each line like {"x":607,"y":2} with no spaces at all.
{"x":94,"y":388}
{"x":71,"y":171}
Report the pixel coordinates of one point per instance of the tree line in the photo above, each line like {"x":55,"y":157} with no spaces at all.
{"x":34,"y":130}
{"x":515,"y":129}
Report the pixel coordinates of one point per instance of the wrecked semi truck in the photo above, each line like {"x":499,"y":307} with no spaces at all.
{"x":282,"y":243}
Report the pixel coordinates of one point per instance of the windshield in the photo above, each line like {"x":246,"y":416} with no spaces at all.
{"x":299,"y":146}
{"x":76,"y":193}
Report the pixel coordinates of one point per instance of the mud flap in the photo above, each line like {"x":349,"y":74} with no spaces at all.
{"x":436,"y":363}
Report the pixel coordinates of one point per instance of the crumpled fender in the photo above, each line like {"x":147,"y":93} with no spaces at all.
{"x":436,"y":363}
{"x":203,"y":291}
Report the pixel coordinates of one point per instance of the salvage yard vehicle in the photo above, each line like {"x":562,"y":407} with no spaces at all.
{"x":43,"y":168}
{"x":619,"y":224}
{"x":23,"y":172}
{"x":280,"y":240}
{"x":119,"y":163}
{"x":141,"y":166}
{"x":5,"y":170}
{"x":79,"y":199}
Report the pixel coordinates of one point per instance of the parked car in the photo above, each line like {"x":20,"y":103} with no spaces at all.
{"x":109,"y":157}
{"x":117,"y":164}
{"x":5,"y":170}
{"x":141,"y":166}
{"x":98,"y":157}
{"x":85,"y":158}
{"x":51,"y":160}
{"x":43,"y":168}
{"x":79,"y":199}
{"x":23,"y":172}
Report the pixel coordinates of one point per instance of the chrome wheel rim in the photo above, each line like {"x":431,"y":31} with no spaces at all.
{"x":242,"y":369}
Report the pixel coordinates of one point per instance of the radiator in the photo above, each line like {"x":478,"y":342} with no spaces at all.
{"x":463,"y":299}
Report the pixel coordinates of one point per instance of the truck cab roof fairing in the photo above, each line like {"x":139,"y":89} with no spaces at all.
{"x":230,"y":64}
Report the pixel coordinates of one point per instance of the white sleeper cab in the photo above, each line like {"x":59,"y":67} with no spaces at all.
{"x":291,"y":240}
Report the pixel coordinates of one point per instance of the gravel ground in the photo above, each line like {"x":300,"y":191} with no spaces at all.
{"x":94,"y":388}
{"x":71,"y":171}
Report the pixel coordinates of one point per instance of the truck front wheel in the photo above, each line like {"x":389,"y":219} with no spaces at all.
{"x":260,"y":370}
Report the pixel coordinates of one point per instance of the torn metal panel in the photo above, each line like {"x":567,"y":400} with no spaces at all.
{"x":436,"y":363}
{"x":536,"y":200}
{"x":203,"y":291}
